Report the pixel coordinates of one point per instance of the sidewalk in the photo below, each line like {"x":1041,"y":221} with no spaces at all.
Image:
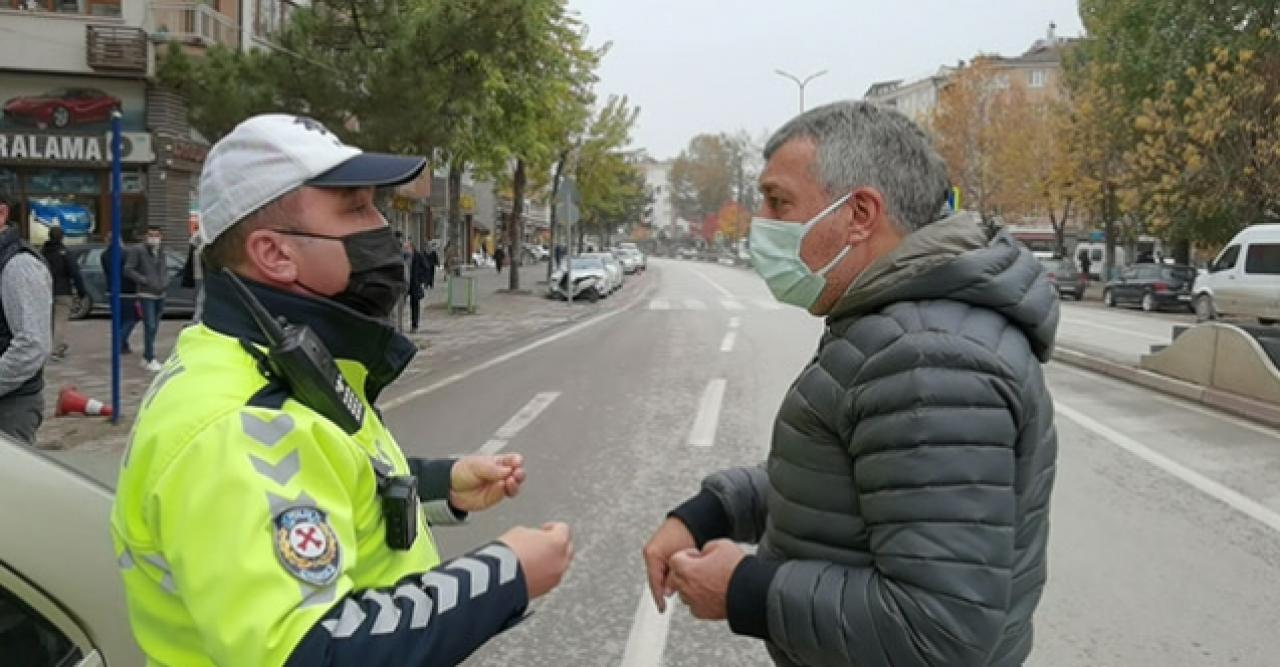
{"x":95,"y":444}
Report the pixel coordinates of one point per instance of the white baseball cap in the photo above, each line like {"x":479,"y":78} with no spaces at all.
{"x":270,"y":155}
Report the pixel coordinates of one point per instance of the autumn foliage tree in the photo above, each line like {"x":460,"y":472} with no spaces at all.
{"x":970,"y":122}
{"x":1208,"y":162}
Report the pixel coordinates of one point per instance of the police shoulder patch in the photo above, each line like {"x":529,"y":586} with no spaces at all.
{"x":307,"y":547}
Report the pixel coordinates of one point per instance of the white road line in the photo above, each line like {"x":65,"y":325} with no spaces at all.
{"x":526,"y":415}
{"x":735,"y":322}
{"x":648,"y":638}
{"x":659,"y":304}
{"x":492,"y":447}
{"x":703,"y":433}
{"x":1209,"y":487}
{"x":694,"y":304}
{"x":729,"y":339}
{"x":1127,"y":332}
{"x":730,"y":304}
{"x":768,"y":304}
{"x":719,"y":288}
{"x":1170,"y":400}
{"x":401,"y":401}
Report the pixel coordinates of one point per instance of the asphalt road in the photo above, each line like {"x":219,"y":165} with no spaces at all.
{"x":1118,"y":334}
{"x":1165,"y":547}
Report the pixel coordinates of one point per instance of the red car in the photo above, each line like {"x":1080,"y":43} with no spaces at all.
{"x":62,"y":107}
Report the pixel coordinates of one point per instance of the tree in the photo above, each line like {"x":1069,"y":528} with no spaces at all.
{"x":702,"y":177}
{"x":611,"y":185}
{"x":973,"y":112}
{"x":734,"y":222}
{"x":1034,"y":162}
{"x":1209,"y":161}
{"x":1140,"y":50}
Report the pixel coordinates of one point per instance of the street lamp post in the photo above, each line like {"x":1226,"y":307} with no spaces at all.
{"x":801,"y":83}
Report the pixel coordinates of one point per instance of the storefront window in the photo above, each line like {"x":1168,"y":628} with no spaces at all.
{"x":9,"y":183}
{"x":63,"y":181}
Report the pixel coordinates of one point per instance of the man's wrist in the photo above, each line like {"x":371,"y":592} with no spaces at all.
{"x":704,"y":516}
{"x":747,"y":602}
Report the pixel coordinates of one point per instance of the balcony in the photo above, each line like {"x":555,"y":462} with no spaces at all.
{"x":117,"y":48}
{"x":193,"y":24}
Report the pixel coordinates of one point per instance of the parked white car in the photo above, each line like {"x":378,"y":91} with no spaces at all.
{"x":1244,"y":279}
{"x":617,"y":275}
{"x":61,"y":597}
{"x":632,"y":259}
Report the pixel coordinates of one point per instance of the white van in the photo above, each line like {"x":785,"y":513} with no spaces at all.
{"x":1244,"y":280}
{"x":1096,"y":253}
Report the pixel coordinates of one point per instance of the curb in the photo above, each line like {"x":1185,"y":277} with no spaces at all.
{"x":1241,"y":406}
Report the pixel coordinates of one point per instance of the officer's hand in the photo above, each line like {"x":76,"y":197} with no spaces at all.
{"x":671,"y":538}
{"x":480,"y":482}
{"x":544,"y":555}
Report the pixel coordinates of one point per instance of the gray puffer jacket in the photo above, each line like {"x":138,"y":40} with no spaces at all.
{"x":902,"y":515}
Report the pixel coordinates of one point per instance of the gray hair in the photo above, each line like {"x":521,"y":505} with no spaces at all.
{"x":860,"y":144}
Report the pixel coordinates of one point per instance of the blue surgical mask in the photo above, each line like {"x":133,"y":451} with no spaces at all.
{"x":775,"y":253}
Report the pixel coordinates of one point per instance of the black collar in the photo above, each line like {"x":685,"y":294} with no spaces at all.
{"x":377,"y":346}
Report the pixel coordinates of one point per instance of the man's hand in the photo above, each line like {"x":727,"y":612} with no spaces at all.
{"x":544,"y":555}
{"x":479,"y":482}
{"x":702,"y":579}
{"x":671,"y":538}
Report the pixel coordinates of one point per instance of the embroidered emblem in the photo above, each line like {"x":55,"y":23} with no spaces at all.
{"x":307,"y":547}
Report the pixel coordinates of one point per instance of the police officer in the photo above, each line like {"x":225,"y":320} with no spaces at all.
{"x":251,"y":529}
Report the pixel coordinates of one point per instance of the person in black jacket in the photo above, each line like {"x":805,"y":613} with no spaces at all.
{"x":421,"y":275}
{"x":499,"y":256}
{"x":67,"y":284}
{"x":902,"y":516}
{"x":433,"y":263}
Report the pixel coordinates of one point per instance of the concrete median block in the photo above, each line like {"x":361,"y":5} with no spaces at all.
{"x":1242,"y":367}
{"x":1189,"y":357}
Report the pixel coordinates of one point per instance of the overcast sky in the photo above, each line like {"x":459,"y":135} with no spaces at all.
{"x":708,"y":65}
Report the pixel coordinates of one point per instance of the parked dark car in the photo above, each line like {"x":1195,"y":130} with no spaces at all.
{"x":1151,"y":287}
{"x":179,"y":300}
{"x":1065,"y":278}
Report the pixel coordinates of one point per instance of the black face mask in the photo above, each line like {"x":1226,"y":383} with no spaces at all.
{"x":377,"y":282}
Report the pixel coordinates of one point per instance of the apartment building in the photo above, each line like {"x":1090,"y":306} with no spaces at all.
{"x":65,"y":66}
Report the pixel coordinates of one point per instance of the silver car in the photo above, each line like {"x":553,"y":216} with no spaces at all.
{"x":61,"y":596}
{"x":632,"y":259}
{"x":591,"y":281}
{"x":617,"y":275}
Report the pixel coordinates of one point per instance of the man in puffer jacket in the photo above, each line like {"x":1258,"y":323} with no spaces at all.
{"x":902,"y":515}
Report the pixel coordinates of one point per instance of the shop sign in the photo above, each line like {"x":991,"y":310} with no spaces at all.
{"x":52,"y":147}
{"x":73,"y":148}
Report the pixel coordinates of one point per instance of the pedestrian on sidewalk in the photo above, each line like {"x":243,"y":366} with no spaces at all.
{"x":334,"y":559}
{"x":902,"y":515}
{"x":26,"y":303}
{"x":420,"y":279}
{"x":67,"y":285}
{"x":148,"y":269}
{"x":130,"y":311}
{"x":499,"y":255}
{"x":193,"y":274}
{"x":433,"y":264}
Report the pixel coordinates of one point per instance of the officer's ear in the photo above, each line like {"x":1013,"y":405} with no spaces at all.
{"x":272,"y":255}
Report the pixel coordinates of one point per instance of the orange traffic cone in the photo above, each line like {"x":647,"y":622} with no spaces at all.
{"x":72,"y":402}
